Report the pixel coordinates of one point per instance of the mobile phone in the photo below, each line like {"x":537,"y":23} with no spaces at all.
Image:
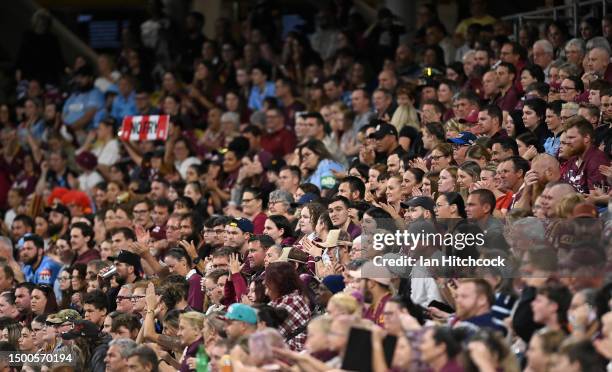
{"x":359,"y":350}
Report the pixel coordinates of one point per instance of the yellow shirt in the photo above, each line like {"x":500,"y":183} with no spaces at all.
{"x":463,"y":25}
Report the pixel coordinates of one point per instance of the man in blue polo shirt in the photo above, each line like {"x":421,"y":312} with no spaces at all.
{"x":38,"y":268}
{"x":125,"y":102}
{"x":84,"y":102}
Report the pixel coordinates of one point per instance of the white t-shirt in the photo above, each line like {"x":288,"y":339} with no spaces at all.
{"x":108,"y":154}
{"x":87,"y":181}
{"x":182,"y":166}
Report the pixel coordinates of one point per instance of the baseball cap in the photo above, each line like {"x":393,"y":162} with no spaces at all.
{"x":304,"y":199}
{"x":82,"y":328}
{"x":63,"y":316}
{"x":586,"y":210}
{"x":465,"y":138}
{"x":129,"y":258}
{"x":420,"y":201}
{"x":335,"y":283}
{"x":242,"y":313}
{"x":242,"y":223}
{"x":59,"y":208}
{"x":384,"y":129}
{"x":85,"y":70}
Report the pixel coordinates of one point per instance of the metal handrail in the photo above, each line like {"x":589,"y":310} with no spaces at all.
{"x":554,"y":13}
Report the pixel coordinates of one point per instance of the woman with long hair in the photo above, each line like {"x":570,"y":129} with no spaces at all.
{"x":308,"y":217}
{"x":279,"y":228}
{"x":287,"y":291}
{"x":43,"y":300}
{"x":377,"y":219}
{"x":341,"y":124}
{"x":441,"y":156}
{"x":65,"y":286}
{"x":467,"y":174}
{"x":411,"y":181}
{"x":450,"y":205}
{"x":204,"y":90}
{"x":317,"y":164}
{"x":448,"y":180}
{"x":394,"y":194}
{"x":514,"y":125}
{"x":534,"y":117}
{"x":79,"y":285}
{"x":543,"y":348}
{"x":429,"y":186}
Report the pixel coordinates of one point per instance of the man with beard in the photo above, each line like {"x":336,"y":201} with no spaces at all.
{"x":23,"y":295}
{"x":386,"y":142}
{"x":38,"y":268}
{"x":85,"y":101}
{"x":473,"y":301}
{"x":375,"y":284}
{"x":59,"y":220}
{"x":240,"y":281}
{"x":82,"y":242}
{"x":544,"y":169}
{"x":129,"y":271}
{"x":582,"y":169}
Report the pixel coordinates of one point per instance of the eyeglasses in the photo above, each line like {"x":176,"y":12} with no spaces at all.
{"x":564,"y":118}
{"x":136,"y":298}
{"x":121,"y":298}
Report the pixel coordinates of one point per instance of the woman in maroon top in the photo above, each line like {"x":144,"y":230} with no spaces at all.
{"x":252,"y":208}
{"x":190,"y":333}
{"x":279,"y":228}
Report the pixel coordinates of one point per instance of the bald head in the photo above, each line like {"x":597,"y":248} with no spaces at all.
{"x":554,"y":195}
{"x":387,"y":80}
{"x":547,"y":168}
{"x":598,"y":60}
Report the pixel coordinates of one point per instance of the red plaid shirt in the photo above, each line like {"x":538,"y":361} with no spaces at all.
{"x":299,"y":315}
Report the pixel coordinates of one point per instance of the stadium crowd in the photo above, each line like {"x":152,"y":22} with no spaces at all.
{"x":244,"y":240}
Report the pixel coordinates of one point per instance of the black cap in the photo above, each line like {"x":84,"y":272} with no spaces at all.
{"x":85,"y":70}
{"x":420,"y":201}
{"x":384,"y":129}
{"x":129,"y":258}
{"x":82,"y":328}
{"x":59,"y":208}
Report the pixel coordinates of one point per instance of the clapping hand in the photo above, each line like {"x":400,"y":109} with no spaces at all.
{"x":138,"y":248}
{"x":151,"y":300}
{"x":419,"y":163}
{"x":234,"y":264}
{"x":189,"y":247}
{"x":142,"y":235}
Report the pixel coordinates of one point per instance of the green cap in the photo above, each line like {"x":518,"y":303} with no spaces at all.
{"x":63,"y":316}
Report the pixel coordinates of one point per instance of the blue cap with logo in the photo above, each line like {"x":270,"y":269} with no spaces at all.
{"x":242,"y":313}
{"x":465,"y":138}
